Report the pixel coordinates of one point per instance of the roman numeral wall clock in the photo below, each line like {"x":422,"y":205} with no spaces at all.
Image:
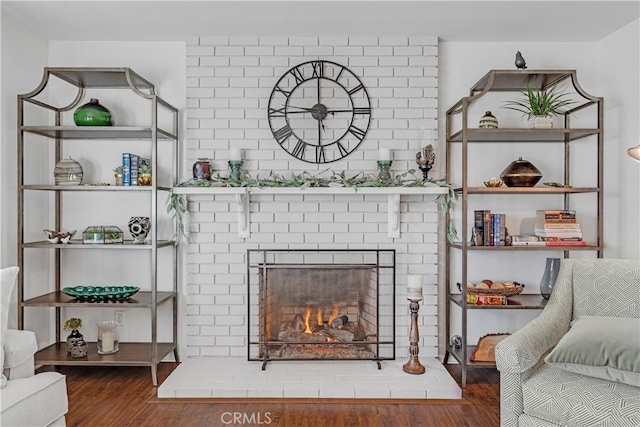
{"x":319,"y":111}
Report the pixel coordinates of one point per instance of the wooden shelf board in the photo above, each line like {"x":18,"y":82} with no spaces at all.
{"x":457,"y":354}
{"x":97,"y":132}
{"x":77,"y":244}
{"x":528,"y":190}
{"x":588,"y":247}
{"x":527,"y":135}
{"x":59,"y":299}
{"x":517,"y":302}
{"x":129,"y":354}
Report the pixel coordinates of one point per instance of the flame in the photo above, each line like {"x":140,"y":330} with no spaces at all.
{"x":334,"y":314}
{"x":319,"y":316}
{"x":307,"y":328}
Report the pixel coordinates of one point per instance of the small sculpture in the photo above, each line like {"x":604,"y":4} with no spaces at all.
{"x":521,"y":64}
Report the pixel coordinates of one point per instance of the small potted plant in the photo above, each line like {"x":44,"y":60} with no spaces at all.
{"x":144,"y":175}
{"x":73,"y":324}
{"x":117,"y":172}
{"x":541,"y":104}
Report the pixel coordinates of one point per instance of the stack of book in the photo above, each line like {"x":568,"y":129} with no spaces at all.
{"x":559,"y":228}
{"x":489,"y":229}
{"x":130,"y":164}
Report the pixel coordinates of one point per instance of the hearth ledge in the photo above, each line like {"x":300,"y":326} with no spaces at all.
{"x":243,"y":196}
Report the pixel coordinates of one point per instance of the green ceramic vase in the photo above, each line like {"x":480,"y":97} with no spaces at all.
{"x":92,"y":114}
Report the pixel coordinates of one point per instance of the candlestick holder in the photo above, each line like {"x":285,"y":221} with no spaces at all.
{"x":383,"y":167}
{"x":235,"y":168}
{"x":425,"y":158}
{"x":413,"y":365}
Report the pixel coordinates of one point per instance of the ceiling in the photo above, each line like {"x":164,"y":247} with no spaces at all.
{"x":453,"y":20}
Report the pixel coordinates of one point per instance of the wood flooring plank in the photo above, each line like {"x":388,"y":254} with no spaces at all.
{"x":124,"y":396}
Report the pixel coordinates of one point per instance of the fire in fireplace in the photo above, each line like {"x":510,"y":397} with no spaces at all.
{"x":321,"y":305}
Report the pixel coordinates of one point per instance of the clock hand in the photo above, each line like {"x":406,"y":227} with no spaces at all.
{"x":310,"y":110}
{"x":339,"y":111}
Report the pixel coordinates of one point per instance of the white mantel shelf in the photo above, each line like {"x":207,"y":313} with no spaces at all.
{"x":242,"y":198}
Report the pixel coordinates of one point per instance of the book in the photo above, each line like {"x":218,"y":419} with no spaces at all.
{"x":487,"y":229}
{"x":134,"y":168}
{"x":556,"y":214}
{"x":559,"y":234}
{"x":478,"y":223}
{"x":566,"y":243}
{"x":126,"y":169}
{"x":562,"y":239}
{"x":536,"y":243}
{"x":498,"y":229}
{"x":557,"y":225}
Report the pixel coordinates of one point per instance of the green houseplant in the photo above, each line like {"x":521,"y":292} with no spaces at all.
{"x":144,"y":175}
{"x":540,"y":104}
{"x":73,"y":324}
{"x":117,"y":172}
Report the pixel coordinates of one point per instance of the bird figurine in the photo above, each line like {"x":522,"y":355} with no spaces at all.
{"x":520,"y":62}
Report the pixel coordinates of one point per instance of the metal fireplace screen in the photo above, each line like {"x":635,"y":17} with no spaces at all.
{"x":321,"y":305}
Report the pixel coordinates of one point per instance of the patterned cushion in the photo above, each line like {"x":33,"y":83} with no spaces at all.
{"x":575,"y":400}
{"x":606,"y":287}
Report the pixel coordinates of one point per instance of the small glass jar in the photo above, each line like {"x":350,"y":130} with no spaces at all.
{"x":108,"y":340}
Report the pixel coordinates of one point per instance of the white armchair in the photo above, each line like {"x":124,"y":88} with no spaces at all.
{"x":26,"y":399}
{"x":577,"y":363}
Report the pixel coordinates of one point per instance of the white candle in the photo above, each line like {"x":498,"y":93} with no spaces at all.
{"x":235,"y":154}
{"x":384,"y":154}
{"x":414,"y":285}
{"x":107,"y":341}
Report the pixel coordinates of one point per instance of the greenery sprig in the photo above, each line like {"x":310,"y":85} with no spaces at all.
{"x":177,"y":203}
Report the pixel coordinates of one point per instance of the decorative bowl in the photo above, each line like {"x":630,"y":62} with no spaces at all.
{"x":101,"y":293}
{"x":493,"y":182}
{"x":59,"y":236}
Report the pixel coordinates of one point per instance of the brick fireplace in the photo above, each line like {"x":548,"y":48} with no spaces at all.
{"x":229,"y":80}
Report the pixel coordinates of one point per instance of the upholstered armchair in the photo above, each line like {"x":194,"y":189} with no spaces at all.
{"x":578,"y":363}
{"x":26,"y":399}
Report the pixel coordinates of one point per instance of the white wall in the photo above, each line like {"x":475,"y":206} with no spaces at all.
{"x":619,"y":70}
{"x":20,"y":74}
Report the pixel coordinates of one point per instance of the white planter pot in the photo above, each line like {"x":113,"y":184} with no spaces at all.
{"x":543,"y":122}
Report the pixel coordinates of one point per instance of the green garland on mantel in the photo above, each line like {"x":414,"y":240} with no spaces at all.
{"x":177,"y":203}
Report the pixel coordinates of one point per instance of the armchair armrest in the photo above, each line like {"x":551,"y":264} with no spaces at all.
{"x":524,"y":349}
{"x":19,"y":350}
{"x":521,"y":354}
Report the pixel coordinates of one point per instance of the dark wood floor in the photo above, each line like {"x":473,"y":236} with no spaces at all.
{"x":125,"y":397}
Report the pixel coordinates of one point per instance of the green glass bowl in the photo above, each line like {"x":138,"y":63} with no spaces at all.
{"x":101,"y":293}
{"x":92,"y":114}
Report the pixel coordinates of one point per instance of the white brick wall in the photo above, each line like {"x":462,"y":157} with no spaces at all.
{"x":228,"y":87}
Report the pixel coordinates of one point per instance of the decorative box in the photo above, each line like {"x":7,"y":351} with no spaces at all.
{"x":103,"y":234}
{"x":93,"y":234}
{"x":113,"y":234}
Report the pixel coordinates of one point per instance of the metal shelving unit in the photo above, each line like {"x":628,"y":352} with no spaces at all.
{"x":514,"y":81}
{"x":130,"y":354}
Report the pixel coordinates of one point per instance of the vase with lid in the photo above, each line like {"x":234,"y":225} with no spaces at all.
{"x":488,"y":121}
{"x":92,"y":114}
